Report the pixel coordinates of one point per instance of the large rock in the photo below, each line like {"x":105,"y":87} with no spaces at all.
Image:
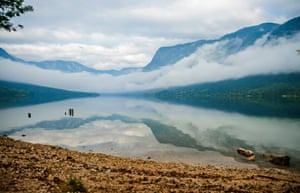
{"x":281,"y":160}
{"x":247,"y":153}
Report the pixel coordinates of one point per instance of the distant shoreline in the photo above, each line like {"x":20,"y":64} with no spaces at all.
{"x":27,"y":167}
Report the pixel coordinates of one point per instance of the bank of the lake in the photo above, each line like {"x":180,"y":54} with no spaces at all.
{"x":27,"y":167}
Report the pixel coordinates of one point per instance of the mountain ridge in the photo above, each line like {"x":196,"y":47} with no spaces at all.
{"x":249,"y":35}
{"x":288,"y":28}
{"x":59,"y":65}
{"x":168,"y":55}
{"x":165,"y":56}
{"x":265,"y":95}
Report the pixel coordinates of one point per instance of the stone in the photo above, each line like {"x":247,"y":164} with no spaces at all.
{"x":70,"y":158}
{"x":245,"y":152}
{"x":280,"y":160}
{"x":104,"y":173}
{"x":251,"y":158}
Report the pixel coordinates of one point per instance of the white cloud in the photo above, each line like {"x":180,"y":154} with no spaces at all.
{"x":143,"y":26}
{"x":116,"y":52}
{"x":98,"y":57}
{"x":113,"y":34}
{"x":279,"y":57}
{"x":197,"y":68}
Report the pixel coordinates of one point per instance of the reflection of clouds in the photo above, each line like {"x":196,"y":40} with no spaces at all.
{"x":253,"y":130}
{"x":96,"y":132}
{"x":134,"y":132}
{"x":99,"y":129}
{"x":124,"y":139}
{"x":187,"y":119}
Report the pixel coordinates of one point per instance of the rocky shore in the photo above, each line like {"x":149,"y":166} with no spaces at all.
{"x":26,"y":167}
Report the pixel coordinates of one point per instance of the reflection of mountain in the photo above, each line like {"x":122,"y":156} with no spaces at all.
{"x":70,"y":123}
{"x":63,"y":65}
{"x":260,"y":95}
{"x":217,"y":140}
{"x":168,"y":134}
{"x":211,"y":139}
{"x":222,"y":141}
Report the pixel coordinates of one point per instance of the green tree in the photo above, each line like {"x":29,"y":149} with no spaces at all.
{"x":10,"y":9}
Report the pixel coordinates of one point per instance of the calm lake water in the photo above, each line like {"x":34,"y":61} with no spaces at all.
{"x":154,"y":130}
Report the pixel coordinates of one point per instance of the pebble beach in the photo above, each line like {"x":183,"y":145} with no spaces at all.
{"x":28,"y":167}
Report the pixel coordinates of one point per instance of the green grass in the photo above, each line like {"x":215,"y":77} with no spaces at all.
{"x":73,"y":185}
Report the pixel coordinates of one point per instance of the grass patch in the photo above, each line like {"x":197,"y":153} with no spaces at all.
{"x":73,"y":185}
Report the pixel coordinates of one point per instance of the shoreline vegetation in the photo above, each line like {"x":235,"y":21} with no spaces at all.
{"x":13,"y":94}
{"x":274,"y":95}
{"x":27,"y":167}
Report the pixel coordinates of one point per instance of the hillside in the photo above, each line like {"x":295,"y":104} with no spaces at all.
{"x":229,"y":44}
{"x":269,"y":95}
{"x":232,"y":43}
{"x":19,"y":94}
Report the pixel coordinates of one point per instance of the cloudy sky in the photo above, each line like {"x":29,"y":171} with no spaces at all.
{"x":112,"y":34}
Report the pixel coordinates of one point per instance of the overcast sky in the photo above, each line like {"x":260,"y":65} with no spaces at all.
{"x":112,"y":34}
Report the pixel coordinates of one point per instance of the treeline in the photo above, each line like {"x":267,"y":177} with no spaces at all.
{"x":277,"y":95}
{"x":19,"y":94}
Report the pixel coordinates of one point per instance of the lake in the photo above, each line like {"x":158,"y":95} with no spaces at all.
{"x":153,"y":129}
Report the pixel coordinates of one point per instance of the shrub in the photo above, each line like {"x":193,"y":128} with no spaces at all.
{"x":73,"y":185}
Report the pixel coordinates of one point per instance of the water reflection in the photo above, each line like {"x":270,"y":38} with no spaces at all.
{"x":137,"y":127}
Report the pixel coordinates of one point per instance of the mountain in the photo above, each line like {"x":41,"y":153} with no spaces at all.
{"x":235,"y":42}
{"x":6,"y":55}
{"x":226,"y":45}
{"x":229,"y":44}
{"x":289,"y":28}
{"x":19,"y":94}
{"x":265,"y":95}
{"x":169,"y":55}
{"x":63,"y":65}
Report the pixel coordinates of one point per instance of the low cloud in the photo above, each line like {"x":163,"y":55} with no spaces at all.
{"x":275,"y":57}
{"x":127,"y":33}
{"x":117,"y":52}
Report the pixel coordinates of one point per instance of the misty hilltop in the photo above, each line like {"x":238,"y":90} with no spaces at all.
{"x":59,"y":65}
{"x":231,"y":44}
{"x":260,"y":49}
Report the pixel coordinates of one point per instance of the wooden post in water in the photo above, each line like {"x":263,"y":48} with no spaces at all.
{"x":71,"y":112}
